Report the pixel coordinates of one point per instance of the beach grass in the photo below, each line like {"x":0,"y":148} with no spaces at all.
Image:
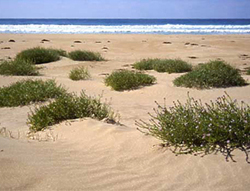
{"x":29,"y":91}
{"x":61,"y":52}
{"x":163,"y":65}
{"x":18,"y":67}
{"x":221,"y":126}
{"x":127,"y":80}
{"x":39,"y":55}
{"x":68,"y":106}
{"x":83,"y":55}
{"x":216,"y":74}
{"x":79,"y":73}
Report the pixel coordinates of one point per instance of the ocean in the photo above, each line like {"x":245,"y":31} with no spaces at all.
{"x":126,"y":26}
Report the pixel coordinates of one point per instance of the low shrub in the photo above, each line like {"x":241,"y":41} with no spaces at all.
{"x":18,"y":67}
{"x":28,"y":91}
{"x":221,"y":126}
{"x":126,"y":80}
{"x":40,"y":55}
{"x":80,"y":73}
{"x":68,"y":106}
{"x":80,"y":55}
{"x":213,"y":74}
{"x":163,"y":65}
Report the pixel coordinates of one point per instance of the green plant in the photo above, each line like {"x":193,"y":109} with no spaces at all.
{"x":213,"y":74}
{"x":28,"y":91}
{"x":18,"y":67}
{"x":40,"y":55}
{"x":125,"y":80}
{"x":80,"y":73}
{"x":221,"y":126}
{"x":145,"y":64}
{"x":59,"y":51}
{"x":163,"y":65}
{"x":80,"y":55}
{"x":68,"y":106}
{"x":248,"y":71}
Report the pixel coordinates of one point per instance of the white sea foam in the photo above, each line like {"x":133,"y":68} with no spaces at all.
{"x":168,"y":28}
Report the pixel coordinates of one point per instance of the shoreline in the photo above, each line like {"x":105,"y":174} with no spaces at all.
{"x":93,"y":155}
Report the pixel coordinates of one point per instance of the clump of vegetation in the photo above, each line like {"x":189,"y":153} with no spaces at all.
{"x":146,"y":64}
{"x":248,"y":71}
{"x":68,"y":106}
{"x":163,"y":65}
{"x":18,"y":67}
{"x":213,"y":74}
{"x":81,"y":55}
{"x":126,"y":80}
{"x":28,"y":91}
{"x":80,"y":73}
{"x":221,"y":126}
{"x":39,"y":55}
{"x":60,"y":52}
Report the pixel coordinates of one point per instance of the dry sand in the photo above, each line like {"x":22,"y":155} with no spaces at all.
{"x":92,"y":155}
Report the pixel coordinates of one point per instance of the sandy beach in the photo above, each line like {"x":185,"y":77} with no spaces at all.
{"x":86,"y":154}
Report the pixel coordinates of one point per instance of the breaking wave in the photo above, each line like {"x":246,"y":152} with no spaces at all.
{"x":145,"y":29}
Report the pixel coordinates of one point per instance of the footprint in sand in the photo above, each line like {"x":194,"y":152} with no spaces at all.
{"x":167,"y":42}
{"x":244,"y":56}
{"x":11,"y":40}
{"x":192,"y":57}
{"x":45,"y":40}
{"x":5,"y":48}
{"x":105,"y":48}
{"x":77,"y":42}
{"x":191,"y":44}
{"x":98,"y":42}
{"x":203,"y":45}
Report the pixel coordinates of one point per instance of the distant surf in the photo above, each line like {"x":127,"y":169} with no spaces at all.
{"x":124,"y":26}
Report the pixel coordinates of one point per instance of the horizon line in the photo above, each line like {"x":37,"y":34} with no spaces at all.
{"x":133,"y":18}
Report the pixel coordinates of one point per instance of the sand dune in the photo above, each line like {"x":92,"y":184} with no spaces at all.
{"x":92,"y":155}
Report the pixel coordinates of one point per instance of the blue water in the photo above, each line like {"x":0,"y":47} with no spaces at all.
{"x":144,"y":26}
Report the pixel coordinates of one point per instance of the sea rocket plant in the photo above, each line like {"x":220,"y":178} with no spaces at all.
{"x":221,"y":126}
